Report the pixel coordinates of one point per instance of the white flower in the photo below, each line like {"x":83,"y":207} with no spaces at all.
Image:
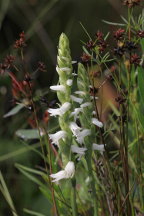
{"x":60,"y":111}
{"x":82,"y":134}
{"x":78,"y":150}
{"x":57,"y":136}
{"x":58,"y":88}
{"x":87,"y":104}
{"x":81,"y":93}
{"x":98,"y":147}
{"x":76,"y":99}
{"x":69,"y":82}
{"x":68,"y":172}
{"x":74,"y":128}
{"x":76,"y":112}
{"x":97,"y":122}
{"x":66,"y":69}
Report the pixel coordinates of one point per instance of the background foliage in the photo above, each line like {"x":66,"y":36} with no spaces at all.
{"x":42,"y":21}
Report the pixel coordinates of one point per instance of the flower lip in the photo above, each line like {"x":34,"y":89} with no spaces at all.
{"x":74,"y":128}
{"x":81,"y":93}
{"x":87,"y":104}
{"x":58,"y":88}
{"x":57,"y":136}
{"x":76,"y":99}
{"x":60,"y":111}
{"x":97,"y":122}
{"x":82,"y":134}
{"x":78,"y":150}
{"x":76,"y":112}
{"x":68,"y":172}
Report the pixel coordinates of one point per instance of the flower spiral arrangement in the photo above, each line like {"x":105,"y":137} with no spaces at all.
{"x":63,"y":138}
{"x":74,"y":141}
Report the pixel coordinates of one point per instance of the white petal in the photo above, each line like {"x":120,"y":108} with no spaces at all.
{"x":69,"y":82}
{"x":76,"y":99}
{"x":78,"y":150}
{"x":80,"y":92}
{"x":70,"y":169}
{"x":68,"y":172}
{"x":65,"y":107}
{"x":98,"y":147}
{"x":58,"y":88}
{"x":97,"y":122}
{"x":87,"y":104}
{"x":58,"y":176}
{"x":54,"y":112}
{"x":82,"y":134}
{"x":76,"y":112}
{"x":57,"y":136}
{"x":60,"y":111}
{"x":74,"y":128}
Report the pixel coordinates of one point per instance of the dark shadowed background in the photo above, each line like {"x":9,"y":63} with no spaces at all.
{"x":43,"y":21}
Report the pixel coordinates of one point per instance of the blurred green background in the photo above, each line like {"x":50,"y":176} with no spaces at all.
{"x":43,"y":21}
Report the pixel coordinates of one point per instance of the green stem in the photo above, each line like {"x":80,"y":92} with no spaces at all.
{"x":92,"y":182}
{"x":73,"y":198}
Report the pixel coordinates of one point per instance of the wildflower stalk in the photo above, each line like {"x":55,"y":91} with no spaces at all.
{"x":85,"y":119}
{"x":64,"y":70}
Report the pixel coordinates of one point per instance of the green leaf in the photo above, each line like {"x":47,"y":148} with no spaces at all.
{"x":141,"y":83}
{"x":6,"y":194}
{"x":14,"y":111}
{"x":140,"y":116}
{"x":28,"y":133}
{"x":30,"y":169}
{"x":112,"y":23}
{"x":142,"y":44}
{"x":28,"y":175}
{"x":32,"y":212}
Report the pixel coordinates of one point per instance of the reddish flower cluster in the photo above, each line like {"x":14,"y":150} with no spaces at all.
{"x":91,"y":44}
{"x":85,"y":58}
{"x":99,"y":36}
{"x":21,"y":42}
{"x":131,"y":3}
{"x":118,"y":35}
{"x":100,"y":41}
{"x":135,"y":59}
{"x":140,"y":34}
{"x":7,"y":63}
